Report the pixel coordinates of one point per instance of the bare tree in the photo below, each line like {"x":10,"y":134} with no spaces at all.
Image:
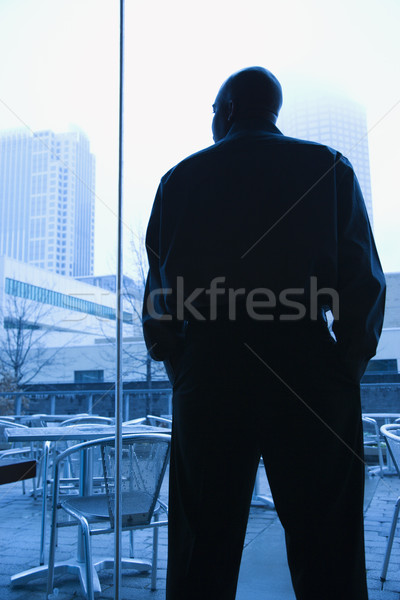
{"x":133,"y":295}
{"x":22,"y":337}
{"x":8,"y":385}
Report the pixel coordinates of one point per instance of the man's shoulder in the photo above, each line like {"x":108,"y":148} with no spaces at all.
{"x":190,"y":162}
{"x":321,"y":154}
{"x":291,"y":147}
{"x":311,"y":147}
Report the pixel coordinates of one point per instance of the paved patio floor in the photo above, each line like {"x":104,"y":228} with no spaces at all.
{"x":264,"y":573}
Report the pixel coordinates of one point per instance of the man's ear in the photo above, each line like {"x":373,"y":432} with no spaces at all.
{"x":231,"y":111}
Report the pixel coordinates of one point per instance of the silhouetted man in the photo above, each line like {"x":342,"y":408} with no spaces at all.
{"x":253,"y":245}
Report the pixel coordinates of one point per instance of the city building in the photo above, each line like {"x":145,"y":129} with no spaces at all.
{"x":47,"y":200}
{"x":333,"y":120}
{"x":387,"y":359}
{"x":66,"y":327}
{"x":131,"y":291}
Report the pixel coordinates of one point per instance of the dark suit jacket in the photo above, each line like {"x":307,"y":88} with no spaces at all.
{"x":262,"y":210}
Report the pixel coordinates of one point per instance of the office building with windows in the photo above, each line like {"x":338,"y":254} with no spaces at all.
{"x":132,"y":294}
{"x":47,"y":200}
{"x":66,"y":327}
{"x":333,"y":120}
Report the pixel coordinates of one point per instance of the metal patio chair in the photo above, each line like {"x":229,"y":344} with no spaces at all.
{"x":15,"y":451}
{"x":391,"y":434}
{"x":136,"y":421}
{"x":45,"y":466}
{"x":144,"y":461}
{"x":86,"y":420}
{"x":372,"y":439}
{"x":71,"y":475}
{"x":34,"y":451}
{"x":157,"y":421}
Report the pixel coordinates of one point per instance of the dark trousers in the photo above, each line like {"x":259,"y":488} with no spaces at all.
{"x":245,"y":390}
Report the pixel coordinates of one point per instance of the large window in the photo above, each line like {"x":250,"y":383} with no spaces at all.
{"x":94,"y":376}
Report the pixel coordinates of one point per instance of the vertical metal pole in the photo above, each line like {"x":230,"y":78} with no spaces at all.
{"x":90,"y":404}
{"x":127,"y":398}
{"x":118,"y":383}
{"x":17,"y":404}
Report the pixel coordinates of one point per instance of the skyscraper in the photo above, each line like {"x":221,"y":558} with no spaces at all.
{"x":47,"y":200}
{"x":333,"y":120}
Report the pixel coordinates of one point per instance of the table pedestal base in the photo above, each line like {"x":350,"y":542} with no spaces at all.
{"x":266,"y":501}
{"x":258,"y":499}
{"x":79,"y":569}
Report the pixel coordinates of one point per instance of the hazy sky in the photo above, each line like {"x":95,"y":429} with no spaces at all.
{"x":59,"y":69}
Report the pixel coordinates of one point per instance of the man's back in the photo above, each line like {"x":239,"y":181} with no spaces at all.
{"x":261,"y":211}
{"x":250,"y":244}
{"x":264,"y":208}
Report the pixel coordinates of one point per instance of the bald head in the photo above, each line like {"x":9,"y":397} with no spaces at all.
{"x":252,"y":92}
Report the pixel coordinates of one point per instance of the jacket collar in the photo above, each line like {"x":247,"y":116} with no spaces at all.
{"x":252,"y":126}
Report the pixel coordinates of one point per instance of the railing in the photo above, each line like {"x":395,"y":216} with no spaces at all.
{"x":88,"y":399}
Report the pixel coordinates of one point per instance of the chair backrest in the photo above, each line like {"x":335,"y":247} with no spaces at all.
{"x":35,"y":421}
{"x":135,"y":421}
{"x":392,"y":436}
{"x":159,"y":421}
{"x":86,"y":419}
{"x":144,"y":461}
{"x":8,"y":423}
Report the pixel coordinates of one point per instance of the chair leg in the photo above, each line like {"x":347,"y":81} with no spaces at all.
{"x":34,"y":488}
{"x":34,"y":456}
{"x":44,"y":503}
{"x":390,"y":541}
{"x":52,"y":551}
{"x":155,"y":556}
{"x":131,"y":544}
{"x":53,"y":533}
{"x":38,"y":469}
{"x":88,"y":558}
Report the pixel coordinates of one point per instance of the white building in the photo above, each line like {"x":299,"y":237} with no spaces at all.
{"x":47,"y":184}
{"x":68,"y":327}
{"x":333,"y":120}
{"x":388,"y":352}
{"x":132,"y":295}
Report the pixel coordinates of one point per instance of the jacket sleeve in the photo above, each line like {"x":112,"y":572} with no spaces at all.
{"x":361,"y":282}
{"x":162,"y":332}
